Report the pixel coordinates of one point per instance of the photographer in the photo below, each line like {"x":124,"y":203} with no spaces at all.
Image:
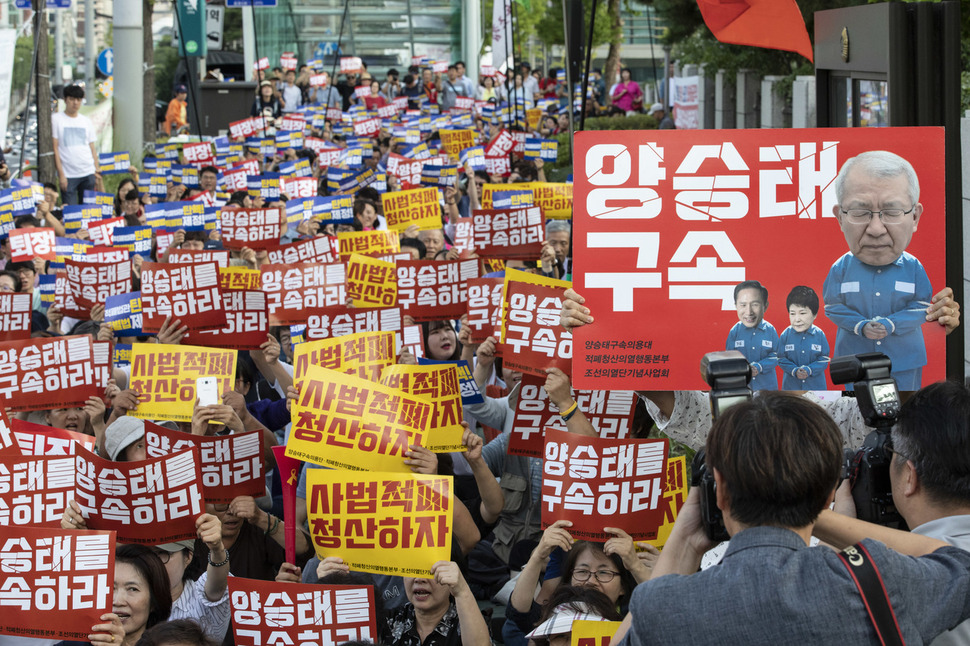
{"x":775,"y":462}
{"x":930,"y":478}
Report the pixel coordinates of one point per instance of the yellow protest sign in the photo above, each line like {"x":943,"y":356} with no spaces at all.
{"x":593,"y":633}
{"x":243,"y":278}
{"x":675,"y":494}
{"x":418,"y":206}
{"x":383,"y":523}
{"x":364,"y":354}
{"x":455,"y":141}
{"x":346,"y":422}
{"x":554,"y":200}
{"x":369,"y":243}
{"x":371,"y":282}
{"x":439,"y":385}
{"x":165,"y":377}
{"x":532,"y":117}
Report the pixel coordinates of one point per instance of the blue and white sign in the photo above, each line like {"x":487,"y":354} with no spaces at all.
{"x":250,"y":3}
{"x":106,"y":62}
{"x":51,"y":4}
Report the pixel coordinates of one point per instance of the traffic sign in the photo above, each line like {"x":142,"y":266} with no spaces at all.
{"x":326,"y":49}
{"x":106,"y":62}
{"x":51,"y":4}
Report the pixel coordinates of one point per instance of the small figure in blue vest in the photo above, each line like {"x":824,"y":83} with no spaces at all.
{"x":753,"y":336}
{"x":804,"y":350}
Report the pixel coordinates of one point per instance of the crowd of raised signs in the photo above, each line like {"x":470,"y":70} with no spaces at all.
{"x":375,"y":291}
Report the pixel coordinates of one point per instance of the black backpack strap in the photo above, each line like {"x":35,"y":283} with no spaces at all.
{"x":865,"y":574}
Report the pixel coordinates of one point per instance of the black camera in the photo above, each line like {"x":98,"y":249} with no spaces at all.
{"x":728,"y":374}
{"x":868,"y":468}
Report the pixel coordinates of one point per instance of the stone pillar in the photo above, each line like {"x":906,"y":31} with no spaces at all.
{"x":773,"y":111}
{"x":803,"y":102}
{"x":725,"y":110}
{"x":705,"y":98}
{"x":748,"y":100}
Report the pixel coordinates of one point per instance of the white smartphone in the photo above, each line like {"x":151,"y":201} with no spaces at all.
{"x":207,"y":390}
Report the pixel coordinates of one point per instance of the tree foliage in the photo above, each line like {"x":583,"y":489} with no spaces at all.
{"x":525,"y":22}
{"x":551,"y":30}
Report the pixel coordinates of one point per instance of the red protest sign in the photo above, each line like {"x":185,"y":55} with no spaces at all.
{"x":34,"y":490}
{"x":232,"y":465}
{"x":297,"y":187}
{"x":101,"y":232}
{"x":408,"y":171}
{"x":485,"y":308}
{"x":189,"y":293}
{"x":149,"y":502}
{"x":7,"y":445}
{"x":15,"y":312}
{"x":247,"y":322}
{"x":57,"y":583}
{"x":341,"y":320}
{"x":195,"y":256}
{"x":429,"y":290}
{"x":37,"y":439}
{"x":244,"y":128}
{"x":288,"y":61}
{"x":321,"y":249}
{"x":498,"y":165}
{"x":90,"y":283}
{"x":319,"y":80}
{"x":675,"y":223}
{"x":292,"y":289}
{"x":350,"y":64}
{"x":512,"y":234}
{"x":367,"y":127}
{"x":533,"y":339}
{"x":609,"y":412}
{"x":269,"y":612}
{"x":50,"y":373}
{"x":30,"y":243}
{"x":597,"y":483}
{"x":253,"y":228}
{"x":501,"y":145}
{"x":198,"y":154}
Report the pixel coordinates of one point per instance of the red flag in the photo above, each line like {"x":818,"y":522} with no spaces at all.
{"x":774,"y":24}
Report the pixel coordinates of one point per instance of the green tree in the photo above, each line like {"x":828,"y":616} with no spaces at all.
{"x":551,"y":31}
{"x":525,"y":15}
{"x":166,"y":59}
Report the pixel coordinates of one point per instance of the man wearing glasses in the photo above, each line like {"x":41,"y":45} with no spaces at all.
{"x":877,"y":294}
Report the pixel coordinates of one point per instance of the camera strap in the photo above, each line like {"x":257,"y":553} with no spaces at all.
{"x":865,"y":574}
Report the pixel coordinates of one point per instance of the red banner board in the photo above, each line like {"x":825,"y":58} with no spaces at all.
{"x":430,"y":290}
{"x":37,"y":439}
{"x":484,"y":308}
{"x":41,"y":374}
{"x":15,"y":311}
{"x":189,"y":293}
{"x":195,"y":256}
{"x":597,"y":483}
{"x":34,"y":490}
{"x":232,"y":465}
{"x":610,"y":413}
{"x":30,"y":243}
{"x":292,"y":289}
{"x":56,"y":583}
{"x":329,"y":322}
{"x":247,"y":323}
{"x":149,"y":502}
{"x":90,"y":283}
{"x":534,"y":340}
{"x":253,"y":228}
{"x":673,"y":222}
{"x":511,"y":234}
{"x":322,"y":249}
{"x":269,"y":612}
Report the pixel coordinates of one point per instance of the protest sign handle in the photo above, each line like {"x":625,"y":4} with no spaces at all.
{"x":289,"y":469}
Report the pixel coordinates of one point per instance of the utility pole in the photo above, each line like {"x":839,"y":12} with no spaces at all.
{"x":45,"y":139}
{"x":129,"y":75}
{"x":58,"y":76}
{"x":90,"y":49}
{"x":148,"y":125}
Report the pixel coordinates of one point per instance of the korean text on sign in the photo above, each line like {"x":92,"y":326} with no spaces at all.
{"x":56,"y":583}
{"x":232,"y":465}
{"x":40,"y":374}
{"x":165,"y":377}
{"x":292,"y":289}
{"x":150,"y":502}
{"x":430,"y":290}
{"x":609,"y":412}
{"x":532,"y":337}
{"x":189,"y":293}
{"x":34,"y":490}
{"x":364,"y":354}
{"x":298,"y":613}
{"x":439,"y":385}
{"x":384,"y":523}
{"x":347,"y":422}
{"x":597,"y":483}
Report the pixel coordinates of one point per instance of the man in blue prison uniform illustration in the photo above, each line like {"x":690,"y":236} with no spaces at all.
{"x":753,"y":336}
{"x":877,"y":293}
{"x":804,"y":350}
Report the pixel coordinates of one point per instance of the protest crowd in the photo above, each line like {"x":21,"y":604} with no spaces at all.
{"x":310,"y":382}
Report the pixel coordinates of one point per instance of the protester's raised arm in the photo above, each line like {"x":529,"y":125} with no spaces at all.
{"x":561,"y":395}
{"x":841,"y":531}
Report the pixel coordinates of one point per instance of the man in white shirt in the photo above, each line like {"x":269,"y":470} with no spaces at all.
{"x":292,"y":95}
{"x":74,"y":155}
